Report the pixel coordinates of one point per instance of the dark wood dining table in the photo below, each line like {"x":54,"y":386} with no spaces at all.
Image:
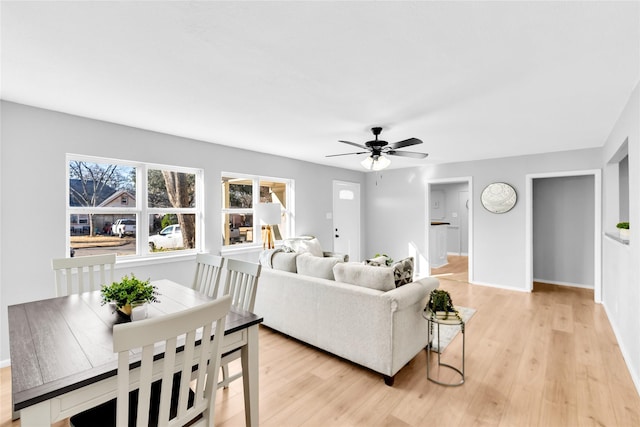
{"x":62,"y":359}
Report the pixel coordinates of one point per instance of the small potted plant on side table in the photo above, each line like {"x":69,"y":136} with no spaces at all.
{"x":440,"y":306}
{"x":440,"y":310}
{"x":128,"y":294}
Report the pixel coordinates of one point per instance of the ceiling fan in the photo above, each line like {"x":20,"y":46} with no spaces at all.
{"x":378,"y":149}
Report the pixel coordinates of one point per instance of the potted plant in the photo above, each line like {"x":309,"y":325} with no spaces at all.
{"x":440,"y":305}
{"x":388,"y":260}
{"x":623,"y":229}
{"x":128,"y":293}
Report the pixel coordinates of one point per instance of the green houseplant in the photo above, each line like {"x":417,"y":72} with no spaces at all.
{"x":388,"y":261}
{"x":440,"y":305}
{"x":130,"y":291}
{"x":623,"y":229}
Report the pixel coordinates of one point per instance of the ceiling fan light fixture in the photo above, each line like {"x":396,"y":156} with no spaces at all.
{"x":376,"y":163}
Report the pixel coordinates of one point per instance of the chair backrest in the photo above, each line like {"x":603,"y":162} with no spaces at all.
{"x":208,"y":271}
{"x":168,"y":332}
{"x":89,"y":272}
{"x":241,"y":283}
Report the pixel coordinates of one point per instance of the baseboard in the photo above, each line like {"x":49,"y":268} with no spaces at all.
{"x":5,"y":363}
{"x":493,"y":285}
{"x":571,"y":285}
{"x":625,"y":354}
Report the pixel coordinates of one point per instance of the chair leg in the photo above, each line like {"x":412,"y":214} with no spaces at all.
{"x":225,"y":375}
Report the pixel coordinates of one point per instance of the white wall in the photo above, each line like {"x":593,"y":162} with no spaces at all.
{"x":396,"y":210}
{"x":33,"y":182}
{"x":621,"y":269}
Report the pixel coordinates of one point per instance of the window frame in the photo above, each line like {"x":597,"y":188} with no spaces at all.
{"x":288,"y":211}
{"x":142,"y":211}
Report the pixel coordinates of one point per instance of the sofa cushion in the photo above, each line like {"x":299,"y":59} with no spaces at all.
{"x":314,"y":266}
{"x":380,"y":278}
{"x":403,"y":271}
{"x":304,"y":244}
{"x":285,"y":261}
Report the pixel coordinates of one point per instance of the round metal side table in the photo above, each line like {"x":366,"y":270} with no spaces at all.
{"x":448,"y":322}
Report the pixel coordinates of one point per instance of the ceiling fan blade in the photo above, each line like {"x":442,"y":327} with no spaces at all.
{"x":405,"y":143}
{"x":407,"y":154}
{"x":347,"y":154}
{"x":354,"y":144}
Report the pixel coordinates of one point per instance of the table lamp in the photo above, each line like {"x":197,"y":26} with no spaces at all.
{"x":269,"y":214}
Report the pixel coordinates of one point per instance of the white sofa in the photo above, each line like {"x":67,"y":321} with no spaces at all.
{"x":371,"y":323}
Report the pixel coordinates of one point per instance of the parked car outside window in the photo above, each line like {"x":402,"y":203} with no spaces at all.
{"x":169,"y":238}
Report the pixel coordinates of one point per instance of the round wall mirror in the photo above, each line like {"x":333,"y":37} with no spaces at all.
{"x":498,"y":197}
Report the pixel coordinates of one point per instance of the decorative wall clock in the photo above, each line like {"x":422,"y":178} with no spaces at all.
{"x":498,"y":197}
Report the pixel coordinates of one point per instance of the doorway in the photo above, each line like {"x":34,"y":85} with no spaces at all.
{"x":346,"y":218}
{"x":559,"y":250}
{"x":449,"y":227}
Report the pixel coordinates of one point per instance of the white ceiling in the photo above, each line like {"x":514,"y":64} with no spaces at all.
{"x":473,"y":80}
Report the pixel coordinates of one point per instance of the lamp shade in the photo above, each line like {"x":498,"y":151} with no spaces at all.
{"x":269,"y":213}
{"x":375,"y":164}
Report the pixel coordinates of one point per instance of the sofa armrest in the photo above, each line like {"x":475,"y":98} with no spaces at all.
{"x":343,"y":257}
{"x":412,"y":293}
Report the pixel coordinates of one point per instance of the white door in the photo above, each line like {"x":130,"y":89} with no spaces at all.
{"x":346,"y":219}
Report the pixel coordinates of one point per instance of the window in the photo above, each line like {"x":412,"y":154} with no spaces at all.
{"x":126,"y":207}
{"x":241,"y":196}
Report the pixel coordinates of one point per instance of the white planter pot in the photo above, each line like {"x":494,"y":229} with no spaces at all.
{"x":624,"y":233}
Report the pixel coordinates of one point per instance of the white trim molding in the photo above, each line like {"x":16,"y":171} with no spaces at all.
{"x":454,"y":180}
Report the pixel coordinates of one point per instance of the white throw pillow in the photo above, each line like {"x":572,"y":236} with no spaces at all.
{"x":285,"y":261}
{"x":314,"y":266}
{"x":377,"y":261}
{"x":304,"y":244}
{"x":368,"y":276}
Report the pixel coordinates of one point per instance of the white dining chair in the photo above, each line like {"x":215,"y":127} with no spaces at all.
{"x":241,"y":284}
{"x":208,"y":271}
{"x":172,"y":400}
{"x":83,"y":274}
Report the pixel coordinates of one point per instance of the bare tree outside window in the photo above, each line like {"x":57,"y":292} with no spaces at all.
{"x":171,"y":189}
{"x":93,"y":183}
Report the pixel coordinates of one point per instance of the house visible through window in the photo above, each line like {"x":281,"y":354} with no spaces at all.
{"x":130,"y":207}
{"x":241,"y":196}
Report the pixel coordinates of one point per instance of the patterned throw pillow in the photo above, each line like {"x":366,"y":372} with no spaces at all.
{"x":380,"y":261}
{"x":403,"y":271}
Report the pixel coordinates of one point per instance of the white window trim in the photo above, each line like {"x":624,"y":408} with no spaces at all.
{"x":257,"y":241}
{"x":141,"y":210}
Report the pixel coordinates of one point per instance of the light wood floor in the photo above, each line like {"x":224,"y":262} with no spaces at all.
{"x":547,"y":358}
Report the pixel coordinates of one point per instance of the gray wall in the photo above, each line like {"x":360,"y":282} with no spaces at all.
{"x":33,"y":184}
{"x":396,"y":210}
{"x":563,"y":230}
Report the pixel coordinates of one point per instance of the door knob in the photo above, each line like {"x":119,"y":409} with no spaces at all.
{"x":337,"y":235}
